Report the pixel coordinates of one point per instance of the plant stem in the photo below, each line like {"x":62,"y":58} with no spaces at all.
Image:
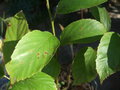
{"x":50,"y":15}
{"x":6,"y":77}
{"x":57,"y":83}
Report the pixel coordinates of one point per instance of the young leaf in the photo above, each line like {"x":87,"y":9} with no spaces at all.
{"x":101,"y":14}
{"x":52,"y":68}
{"x":84,"y":68}
{"x":39,"y":81}
{"x":17,"y":27}
{"x":68,"y":6}
{"x":82,"y":31}
{"x":108,"y":55}
{"x":31,"y":54}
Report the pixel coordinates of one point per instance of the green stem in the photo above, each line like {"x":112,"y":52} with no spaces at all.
{"x":50,"y":15}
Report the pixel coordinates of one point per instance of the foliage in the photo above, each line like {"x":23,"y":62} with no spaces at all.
{"x":32,"y":56}
{"x":84,"y":61}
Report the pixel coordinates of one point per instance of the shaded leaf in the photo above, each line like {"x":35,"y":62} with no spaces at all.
{"x":8,"y":49}
{"x":101,"y":14}
{"x":31,"y":54}
{"x":68,"y":6}
{"x":39,"y":81}
{"x":84,"y":68}
{"x":108,"y":55}
{"x":82,"y":31}
{"x":1,"y":71}
{"x":52,"y":68}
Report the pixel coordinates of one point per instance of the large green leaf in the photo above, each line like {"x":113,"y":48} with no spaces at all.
{"x":84,"y":68}
{"x":52,"y":68}
{"x":68,"y":6}
{"x":108,"y":55}
{"x":101,"y":14}
{"x":39,"y":81}
{"x":17,"y":27}
{"x":82,"y":31}
{"x":31,"y":54}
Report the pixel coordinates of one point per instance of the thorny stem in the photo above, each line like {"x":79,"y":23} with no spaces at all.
{"x":50,"y":15}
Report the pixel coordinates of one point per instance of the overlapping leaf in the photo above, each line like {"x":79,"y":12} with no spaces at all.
{"x":40,"y":81}
{"x":52,"y":68}
{"x":1,"y":71}
{"x":8,"y":49}
{"x":108,"y":55}
{"x":82,"y":31}
{"x":68,"y":6}
{"x":31,"y":54}
{"x":17,"y":27}
{"x":84,"y":68}
{"x":101,"y":14}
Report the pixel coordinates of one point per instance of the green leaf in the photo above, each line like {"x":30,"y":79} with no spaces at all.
{"x":108,"y":55}
{"x":17,"y":27}
{"x":31,"y":54}
{"x":68,"y":6}
{"x":52,"y":68}
{"x":8,"y":49}
{"x":84,"y":68}
{"x":1,"y":71}
{"x":82,"y":31}
{"x":39,"y":81}
{"x":101,"y":14}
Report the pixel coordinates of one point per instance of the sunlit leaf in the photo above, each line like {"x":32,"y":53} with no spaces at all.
{"x":17,"y":27}
{"x":39,"y":81}
{"x":82,"y":31}
{"x":108,"y":55}
{"x":31,"y":54}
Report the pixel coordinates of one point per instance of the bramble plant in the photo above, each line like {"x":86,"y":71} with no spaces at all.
{"x":30,"y":57}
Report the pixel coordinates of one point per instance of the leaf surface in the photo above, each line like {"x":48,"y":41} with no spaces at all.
{"x":68,"y":6}
{"x":52,"y":68}
{"x":82,"y":31}
{"x":101,"y":14}
{"x":39,"y":81}
{"x":31,"y":54}
{"x":17,"y":27}
{"x":108,"y":55}
{"x":84,"y":67}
